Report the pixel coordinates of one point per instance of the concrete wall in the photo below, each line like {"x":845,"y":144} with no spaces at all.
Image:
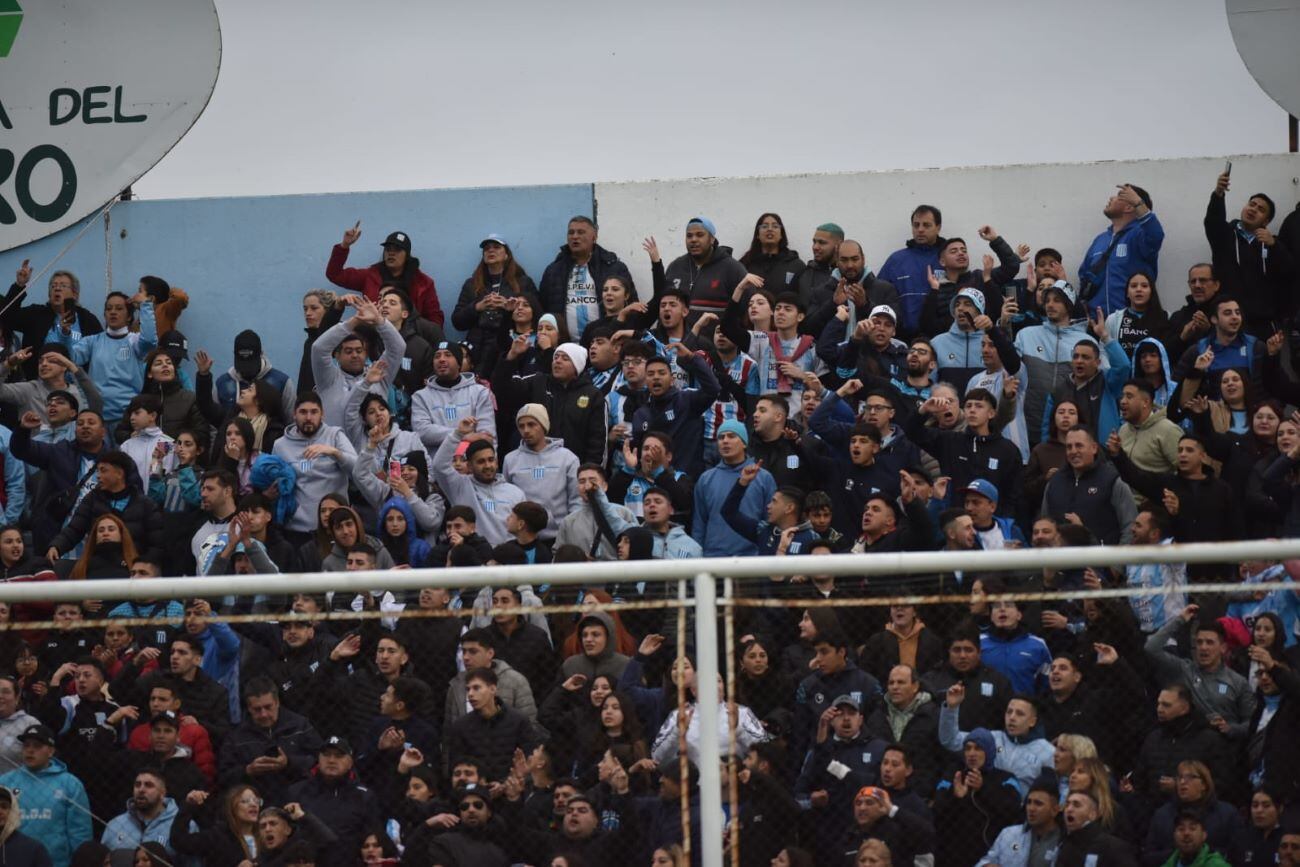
{"x":247,"y":261}
{"x":1040,"y":205}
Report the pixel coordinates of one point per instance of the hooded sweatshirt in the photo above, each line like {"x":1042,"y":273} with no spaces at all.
{"x":1045,"y":350}
{"x":127,"y":831}
{"x":53,"y":808}
{"x":316,"y":476}
{"x":334,"y":385}
{"x":1153,"y":444}
{"x":710,"y":285}
{"x":708,"y":527}
{"x":608,"y":662}
{"x":1023,"y":756}
{"x":397,"y":442}
{"x":436,"y":408}
{"x":418,"y":551}
{"x":548,"y":477}
{"x":958,"y":353}
{"x":491,"y":501}
{"x":16,"y":848}
{"x":1165,"y":392}
{"x":676,"y":544}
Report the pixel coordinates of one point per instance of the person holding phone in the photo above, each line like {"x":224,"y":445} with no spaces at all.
{"x":60,"y":319}
{"x":1247,"y":258}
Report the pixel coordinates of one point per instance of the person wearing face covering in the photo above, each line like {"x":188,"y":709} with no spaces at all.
{"x":975,"y":803}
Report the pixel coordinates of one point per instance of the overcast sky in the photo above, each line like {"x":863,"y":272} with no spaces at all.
{"x":336,"y":95}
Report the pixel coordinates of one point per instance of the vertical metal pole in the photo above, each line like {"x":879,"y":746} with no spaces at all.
{"x":706,"y":679}
{"x":684,"y":779}
{"x":733,"y":781}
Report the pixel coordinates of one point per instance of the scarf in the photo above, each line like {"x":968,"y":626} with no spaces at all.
{"x":783,"y":384}
{"x":900,"y":717}
{"x":259,"y":429}
{"x":118,"y":333}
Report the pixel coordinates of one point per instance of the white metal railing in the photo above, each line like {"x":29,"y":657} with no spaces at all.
{"x":702,"y":572}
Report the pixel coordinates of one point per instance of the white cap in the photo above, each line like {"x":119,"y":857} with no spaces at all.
{"x":884,"y":310}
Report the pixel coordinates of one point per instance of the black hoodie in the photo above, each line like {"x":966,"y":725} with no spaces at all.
{"x":710,"y":286}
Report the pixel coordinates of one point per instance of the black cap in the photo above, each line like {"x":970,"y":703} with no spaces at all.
{"x":41,"y":733}
{"x":400,"y":240}
{"x":174,"y":344}
{"x":679,"y":292}
{"x":64,"y":394}
{"x":248,"y":354}
{"x":334,"y":742}
{"x":166,"y":716}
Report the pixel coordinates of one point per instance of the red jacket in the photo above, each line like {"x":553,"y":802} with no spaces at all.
{"x":192,"y":735}
{"x":368,"y":281}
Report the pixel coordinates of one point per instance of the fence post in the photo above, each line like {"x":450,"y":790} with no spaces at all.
{"x":706,"y":680}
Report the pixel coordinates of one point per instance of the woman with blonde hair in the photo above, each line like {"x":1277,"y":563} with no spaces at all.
{"x":669,"y":856}
{"x":1091,"y":775}
{"x":231,"y":839}
{"x":109,"y":553}
{"x":322,"y":309}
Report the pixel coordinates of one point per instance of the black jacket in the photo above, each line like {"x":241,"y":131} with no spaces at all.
{"x":1261,"y":281}
{"x":987,"y":694}
{"x":463,"y":847}
{"x":767,"y":813}
{"x":291,"y":733}
{"x":920,"y":736}
{"x":678,"y":412}
{"x":906,"y":834}
{"x":821,"y":306}
{"x":180,"y":412}
{"x":347,"y":809}
{"x":528,"y":651}
{"x":576,"y":408}
{"x":555,"y":279}
{"x":1281,"y":747}
{"x":780,"y":270}
{"x":216,"y":844}
{"x":1185,"y":738}
{"x":137,"y":511}
{"x":304,"y":676}
{"x":964,"y":456}
{"x":203,"y":698}
{"x":494,"y":740}
{"x":1091,"y":840}
{"x":710,"y":286}
{"x":35,"y":322}
{"x":971,"y":824}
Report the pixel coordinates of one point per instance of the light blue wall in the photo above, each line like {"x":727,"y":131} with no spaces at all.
{"x":246,"y":262}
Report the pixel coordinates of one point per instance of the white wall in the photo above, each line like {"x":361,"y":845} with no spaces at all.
{"x":1053,"y":205}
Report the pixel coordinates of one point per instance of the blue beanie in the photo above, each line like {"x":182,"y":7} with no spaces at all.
{"x":733,"y":426}
{"x":706,"y":223}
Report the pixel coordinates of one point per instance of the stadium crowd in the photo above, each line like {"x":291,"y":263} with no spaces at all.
{"x":739,"y":406}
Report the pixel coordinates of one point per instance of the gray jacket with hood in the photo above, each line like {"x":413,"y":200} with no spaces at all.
{"x":548,"y":477}
{"x":436,"y":408}
{"x":512,"y":689}
{"x":608,"y":662}
{"x":333,"y":384}
{"x":490,"y":502}
{"x":317,"y":476}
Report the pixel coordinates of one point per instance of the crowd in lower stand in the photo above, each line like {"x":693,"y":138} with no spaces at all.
{"x":760,"y":405}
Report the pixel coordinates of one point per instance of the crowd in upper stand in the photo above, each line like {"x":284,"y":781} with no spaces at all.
{"x":751,"y":405}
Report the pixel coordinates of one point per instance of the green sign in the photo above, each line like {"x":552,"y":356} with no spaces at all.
{"x":11,"y":17}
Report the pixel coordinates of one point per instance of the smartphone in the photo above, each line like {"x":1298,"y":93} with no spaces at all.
{"x":69,"y":304}
{"x":1227,"y":167}
{"x":272,"y":752}
{"x":1009,"y":292}
{"x":394,"y":468}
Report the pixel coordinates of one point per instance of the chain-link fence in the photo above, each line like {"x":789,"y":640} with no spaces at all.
{"x":517,"y":723}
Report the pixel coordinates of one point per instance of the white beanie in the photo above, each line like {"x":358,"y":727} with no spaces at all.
{"x":576,"y":354}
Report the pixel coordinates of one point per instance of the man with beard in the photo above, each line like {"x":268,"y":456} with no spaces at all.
{"x":707,"y":272}
{"x":148,"y":819}
{"x":815,"y":281}
{"x":322,"y":458}
{"x":858,"y":289}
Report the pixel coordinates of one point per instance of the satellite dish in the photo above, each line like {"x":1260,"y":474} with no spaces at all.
{"x":94,"y":95}
{"x":1267,"y":33}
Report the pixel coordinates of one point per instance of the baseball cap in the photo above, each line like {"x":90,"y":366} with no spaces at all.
{"x":706,"y":223}
{"x":494,"y":238}
{"x":41,"y":733}
{"x":984,"y":488}
{"x":398,"y":239}
{"x":334,"y":742}
{"x":174,"y":344}
{"x":64,"y":394}
{"x":847,"y":700}
{"x":883,"y":310}
{"x":165,"y":716}
{"x":1066,"y":290}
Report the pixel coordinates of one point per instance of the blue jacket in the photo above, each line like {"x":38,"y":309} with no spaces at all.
{"x":1164,"y":393}
{"x":1024,"y":757}
{"x":958,"y":355}
{"x":767,"y":536}
{"x":417,"y":550}
{"x":708,"y":526}
{"x":905,"y":268}
{"x":55,"y":810}
{"x":1135,"y":248}
{"x":126,"y":831}
{"x":221,"y":655}
{"x":117,"y":363}
{"x":15,"y":480}
{"x":1022,"y":657}
{"x":1010,"y":531}
{"x":1011,"y":848}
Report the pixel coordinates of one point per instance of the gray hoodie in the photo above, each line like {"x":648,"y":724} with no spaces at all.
{"x":490,"y":502}
{"x":396,"y":445}
{"x":608,"y":662}
{"x":428,"y":512}
{"x":548,"y":477}
{"x":579,"y":528}
{"x":512,"y":689}
{"x":333,"y":385}
{"x":318,"y":476}
{"x":435,"y":409}
{"x":31,"y":395}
